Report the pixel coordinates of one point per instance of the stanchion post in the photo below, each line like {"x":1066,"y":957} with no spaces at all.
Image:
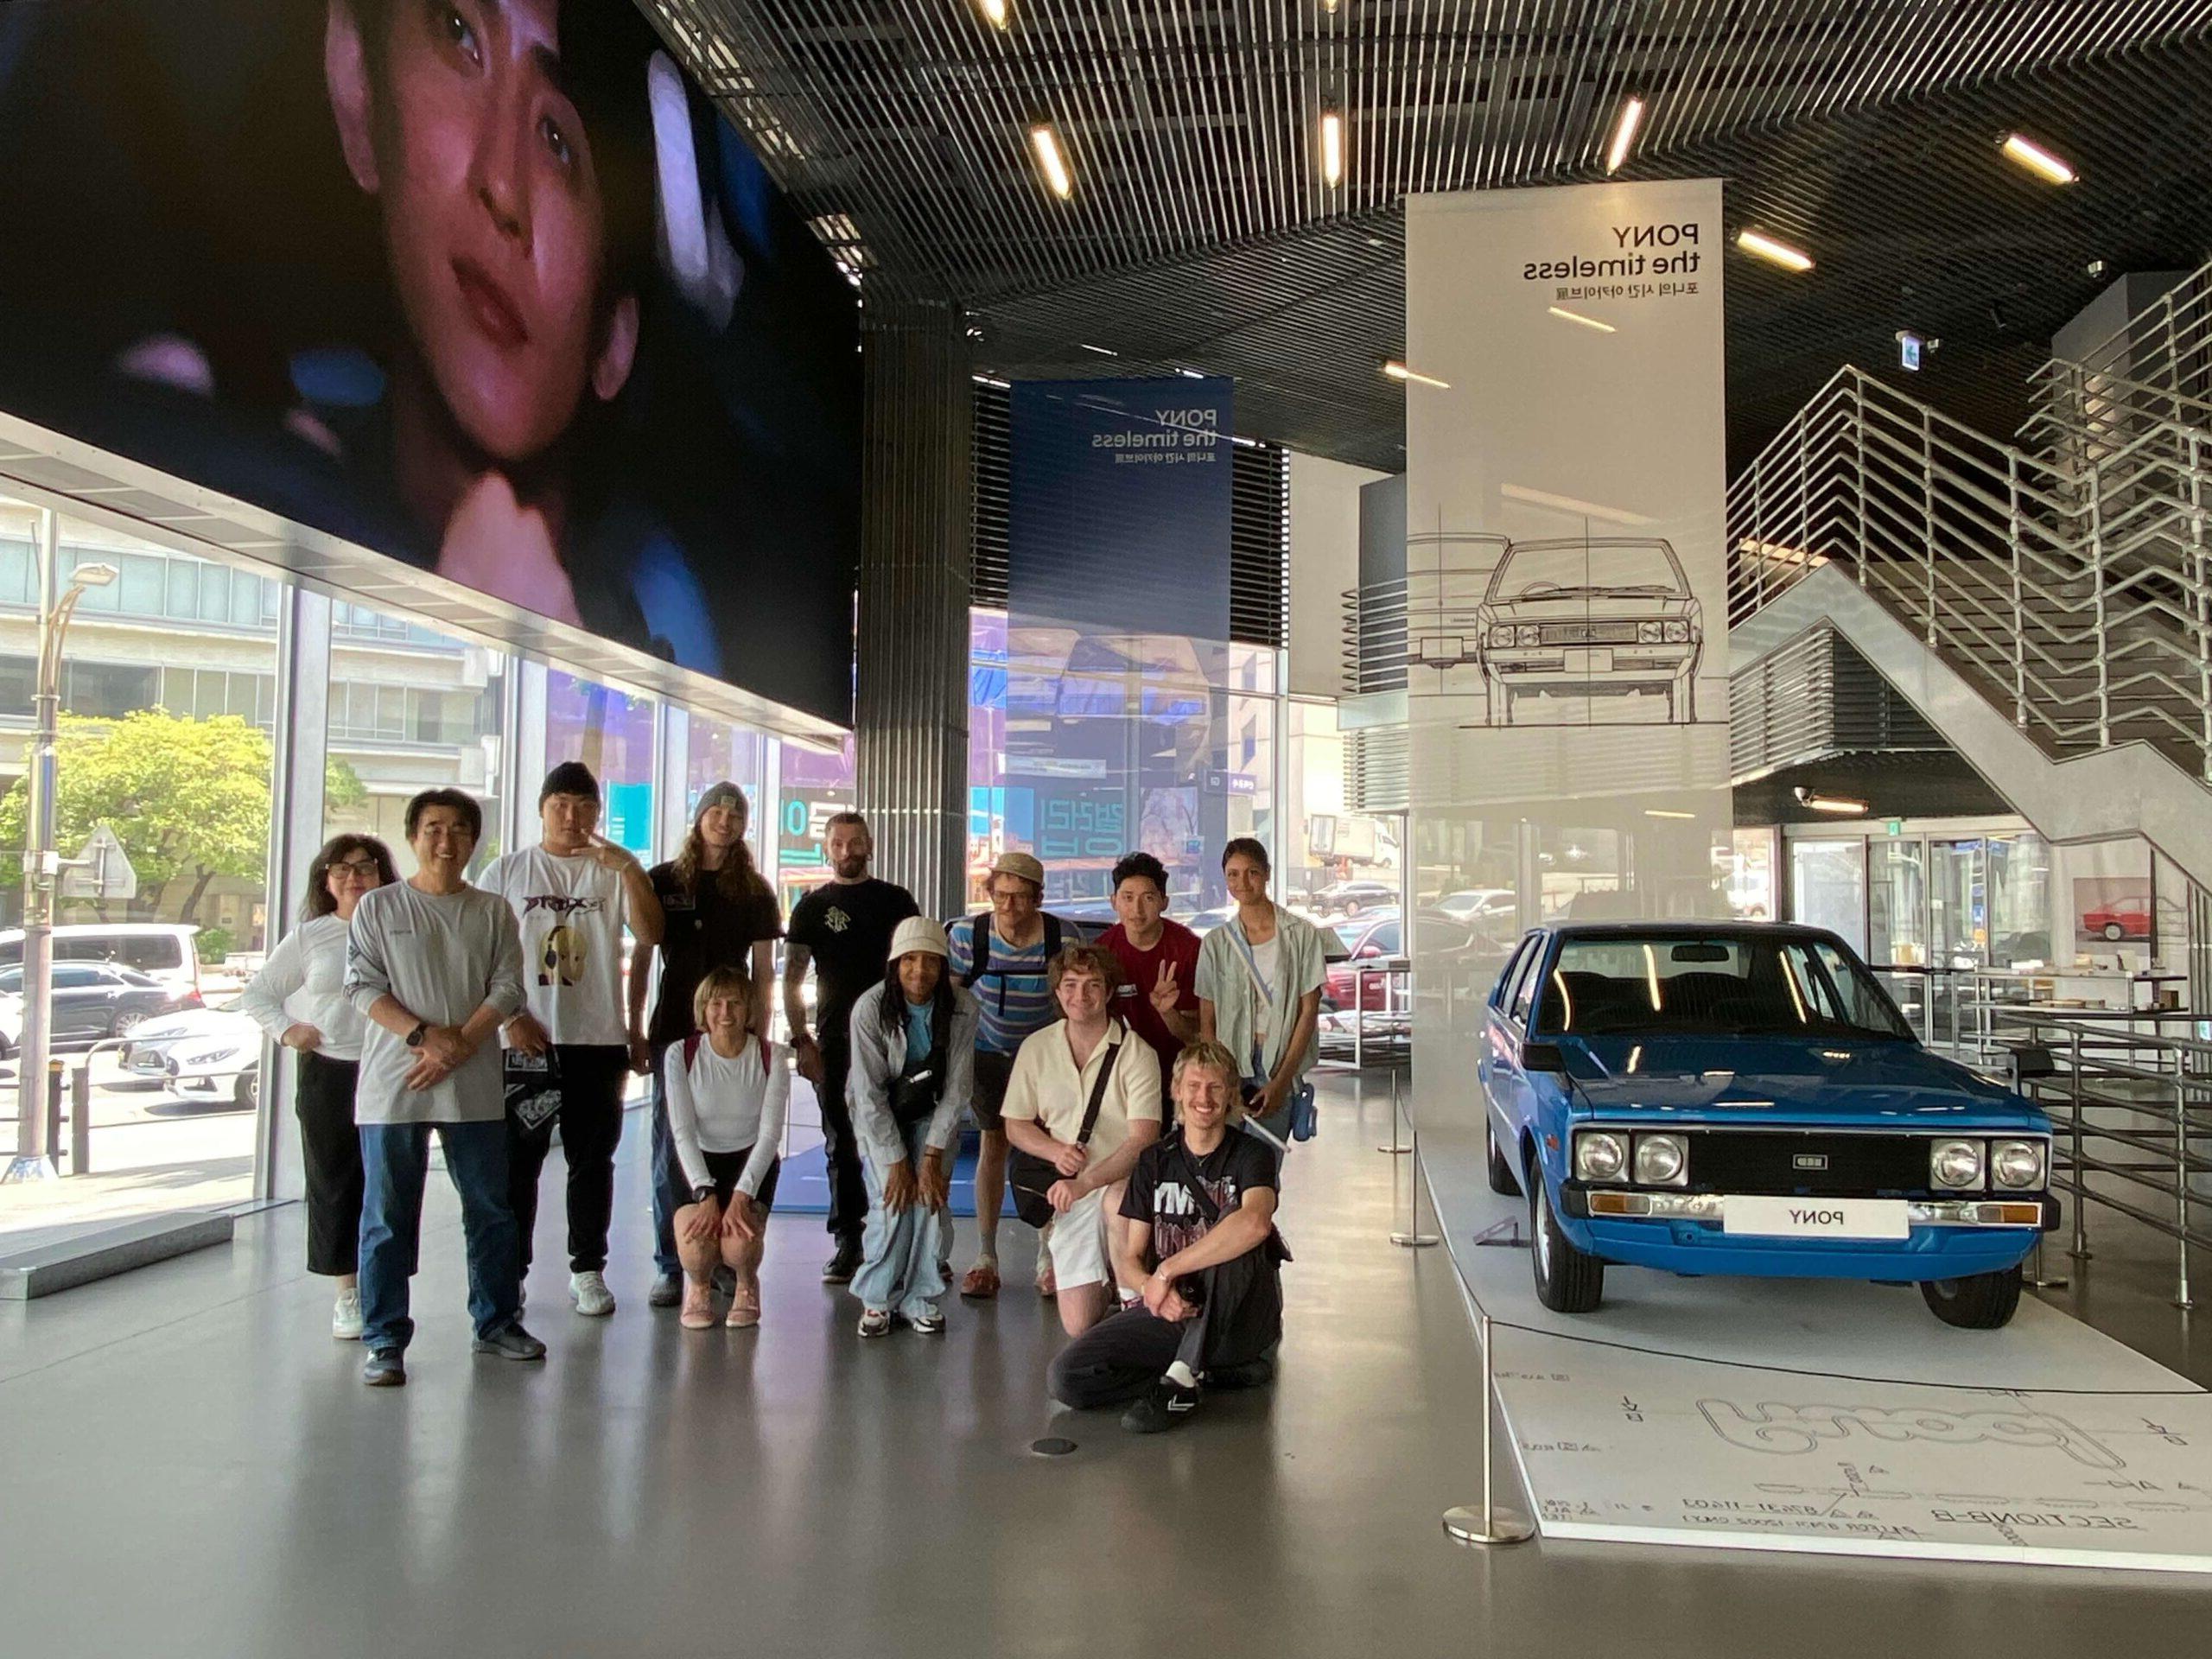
{"x":1414,"y":1239}
{"x":1396,"y":1149}
{"x":2181,"y":1298}
{"x":2081,"y":1251}
{"x":1489,"y":1524}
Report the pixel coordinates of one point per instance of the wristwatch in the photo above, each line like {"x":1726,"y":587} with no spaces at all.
{"x":414,"y":1037}
{"x":700,"y":1194}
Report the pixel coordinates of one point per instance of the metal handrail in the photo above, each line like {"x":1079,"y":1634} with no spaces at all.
{"x":2140,"y":1129}
{"x":2075,"y":588}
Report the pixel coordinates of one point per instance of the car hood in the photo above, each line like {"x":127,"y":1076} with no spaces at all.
{"x":200,"y":1024}
{"x":1782,"y":1080}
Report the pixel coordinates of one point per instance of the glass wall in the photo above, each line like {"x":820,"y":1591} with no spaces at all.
{"x":612,"y":733}
{"x":1827,"y":887}
{"x":410,"y":710}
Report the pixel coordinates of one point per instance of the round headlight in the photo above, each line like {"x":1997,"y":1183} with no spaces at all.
{"x":1599,"y":1157}
{"x":1678,"y":634}
{"x":1659,"y":1160}
{"x":1648,"y":633}
{"x":1956,"y":1163}
{"x":1531,"y":634}
{"x":2017,"y":1164}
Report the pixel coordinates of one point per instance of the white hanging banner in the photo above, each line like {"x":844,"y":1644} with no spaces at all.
{"x":1567,"y":621}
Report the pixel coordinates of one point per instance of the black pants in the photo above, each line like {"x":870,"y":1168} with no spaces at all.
{"x":848,"y":1191}
{"x":592,"y":1080}
{"x":330,"y":1148}
{"x":1230,"y":1341}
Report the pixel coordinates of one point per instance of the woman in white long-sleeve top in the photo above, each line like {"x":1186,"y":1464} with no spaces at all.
{"x":913,"y":1067}
{"x":299,"y":999}
{"x":727,"y":1089}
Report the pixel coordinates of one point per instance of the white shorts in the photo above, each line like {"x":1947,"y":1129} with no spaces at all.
{"x":1078,"y":1242}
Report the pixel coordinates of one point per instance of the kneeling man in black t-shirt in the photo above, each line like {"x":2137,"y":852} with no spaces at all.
{"x":1197,"y":1253}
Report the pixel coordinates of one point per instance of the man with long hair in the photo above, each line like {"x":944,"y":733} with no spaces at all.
{"x":717,"y":911}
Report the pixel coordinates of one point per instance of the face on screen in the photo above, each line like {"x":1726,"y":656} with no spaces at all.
{"x":453,"y":115}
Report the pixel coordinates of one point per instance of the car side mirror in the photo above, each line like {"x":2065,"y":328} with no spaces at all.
{"x":2026,"y":1060}
{"x":1368,"y":950}
{"x":1542,"y":1056}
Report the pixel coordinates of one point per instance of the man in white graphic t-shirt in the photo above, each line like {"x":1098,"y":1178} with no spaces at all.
{"x":572,"y":894}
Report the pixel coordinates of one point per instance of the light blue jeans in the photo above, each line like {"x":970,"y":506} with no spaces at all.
{"x":905,"y":1253}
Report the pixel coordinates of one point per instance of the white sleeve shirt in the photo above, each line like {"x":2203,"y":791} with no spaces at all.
{"x":303,"y":983}
{"x":726,"y":1104}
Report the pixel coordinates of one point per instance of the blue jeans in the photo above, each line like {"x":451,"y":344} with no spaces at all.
{"x":906,"y":1253}
{"x":395,"y":1160}
{"x":667,"y":1199}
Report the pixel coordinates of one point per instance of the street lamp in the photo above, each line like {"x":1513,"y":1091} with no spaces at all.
{"x":34,"y":1158}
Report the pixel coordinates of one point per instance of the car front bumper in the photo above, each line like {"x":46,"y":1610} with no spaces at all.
{"x":1683,"y":1232}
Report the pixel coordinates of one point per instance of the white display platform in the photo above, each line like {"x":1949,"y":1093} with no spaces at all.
{"x":1828,"y":1417}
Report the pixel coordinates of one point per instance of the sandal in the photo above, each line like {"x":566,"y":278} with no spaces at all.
{"x":698,"y":1312}
{"x":983,"y":1281}
{"x":1048,"y":1284}
{"x":744,"y":1305}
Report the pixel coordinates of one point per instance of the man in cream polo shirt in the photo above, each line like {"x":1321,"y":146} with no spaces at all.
{"x":1056,"y":1072}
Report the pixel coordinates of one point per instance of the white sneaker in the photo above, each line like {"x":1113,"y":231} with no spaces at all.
{"x":346,"y":1316}
{"x":589,"y":1293}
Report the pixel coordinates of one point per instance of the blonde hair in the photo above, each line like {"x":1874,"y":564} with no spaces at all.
{"x":723,"y":981}
{"x":1216,"y":1057}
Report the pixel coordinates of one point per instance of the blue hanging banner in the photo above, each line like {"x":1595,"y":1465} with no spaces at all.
{"x":1119,"y":509}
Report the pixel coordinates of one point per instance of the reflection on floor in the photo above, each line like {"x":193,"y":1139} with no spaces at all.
{"x":191,"y":1468}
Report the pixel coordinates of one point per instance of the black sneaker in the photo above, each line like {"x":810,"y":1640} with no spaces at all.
{"x":840,"y":1269}
{"x":667,"y":1291}
{"x":384,"y":1370}
{"x":1159,"y":1408}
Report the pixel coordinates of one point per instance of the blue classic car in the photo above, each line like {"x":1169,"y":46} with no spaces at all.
{"x":1744,"y":1098}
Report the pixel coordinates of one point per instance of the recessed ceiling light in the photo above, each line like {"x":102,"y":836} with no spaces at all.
{"x":2037,"y":160}
{"x":1051,"y":161}
{"x":1101,"y":350}
{"x":1663,"y":812}
{"x":1398,"y":370}
{"x":996,"y":12}
{"x":1767,"y":248}
{"x":1562,"y":313}
{"x":1332,"y":146}
{"x":1192,"y":374}
{"x":1625,"y":126}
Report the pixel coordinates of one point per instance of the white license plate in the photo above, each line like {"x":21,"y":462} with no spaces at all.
{"x":1763,"y":1217}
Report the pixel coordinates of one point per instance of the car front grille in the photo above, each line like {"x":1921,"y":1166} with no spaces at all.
{"x":1586,"y":633}
{"x":1782,"y":1163}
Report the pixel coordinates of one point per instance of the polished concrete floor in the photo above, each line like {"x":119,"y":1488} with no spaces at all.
{"x":188,"y":1466}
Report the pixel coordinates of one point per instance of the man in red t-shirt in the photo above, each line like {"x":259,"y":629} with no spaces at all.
{"x":1159,"y":996}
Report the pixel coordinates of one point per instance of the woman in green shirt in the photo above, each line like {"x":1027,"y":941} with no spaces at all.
{"x":1259,"y":986}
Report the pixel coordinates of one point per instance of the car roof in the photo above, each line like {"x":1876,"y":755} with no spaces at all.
{"x":82,"y":929}
{"x":1548,"y":544}
{"x":1685,"y":930}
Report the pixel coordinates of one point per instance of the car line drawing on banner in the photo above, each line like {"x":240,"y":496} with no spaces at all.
{"x":1594,"y":622}
{"x":1447,"y":576}
{"x":1745,"y":1099}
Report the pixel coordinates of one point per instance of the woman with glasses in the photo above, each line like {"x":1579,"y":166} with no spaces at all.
{"x":298,"y":998}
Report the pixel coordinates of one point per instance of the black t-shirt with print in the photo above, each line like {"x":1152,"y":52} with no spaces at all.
{"x":847,"y":926}
{"x":705,"y":930}
{"x":1159,"y":1186}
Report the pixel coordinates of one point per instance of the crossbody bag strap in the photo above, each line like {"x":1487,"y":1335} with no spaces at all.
{"x":1098,"y":1089}
{"x":1196,"y":1182}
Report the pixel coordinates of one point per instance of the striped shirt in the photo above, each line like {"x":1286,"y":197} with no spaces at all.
{"x":1011,"y":996}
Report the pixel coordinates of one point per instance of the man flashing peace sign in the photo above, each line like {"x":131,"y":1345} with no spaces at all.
{"x":1160,"y":960}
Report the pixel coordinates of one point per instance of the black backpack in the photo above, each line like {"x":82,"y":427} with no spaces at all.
{"x":981,"y":965}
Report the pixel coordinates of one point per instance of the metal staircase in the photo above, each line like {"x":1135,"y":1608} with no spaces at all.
{"x":2046,"y":603}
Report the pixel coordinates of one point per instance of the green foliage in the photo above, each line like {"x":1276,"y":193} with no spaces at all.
{"x":187,"y":797}
{"x":213,"y":944}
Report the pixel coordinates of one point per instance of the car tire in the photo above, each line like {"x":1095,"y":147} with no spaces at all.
{"x":2114,"y":932}
{"x":1982,"y":1301}
{"x":1504,"y":1180}
{"x":126,"y":1021}
{"x":246,"y":1092}
{"x":1568,"y":1280}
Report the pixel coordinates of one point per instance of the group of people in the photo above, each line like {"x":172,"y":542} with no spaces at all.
{"x":490,"y":1012}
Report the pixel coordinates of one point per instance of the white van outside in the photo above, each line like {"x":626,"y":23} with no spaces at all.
{"x":160,"y":950}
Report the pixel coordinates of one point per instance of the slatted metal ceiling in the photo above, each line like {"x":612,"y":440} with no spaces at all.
{"x":1200,"y":227}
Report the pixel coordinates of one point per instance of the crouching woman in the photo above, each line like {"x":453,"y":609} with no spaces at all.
{"x":1198,"y":1258}
{"x":913,"y":1066}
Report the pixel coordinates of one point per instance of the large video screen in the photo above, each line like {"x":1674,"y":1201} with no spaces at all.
{"x":485,"y":285}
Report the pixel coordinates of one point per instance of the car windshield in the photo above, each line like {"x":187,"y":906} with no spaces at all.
{"x":1729,"y":985}
{"x":1538,"y":570}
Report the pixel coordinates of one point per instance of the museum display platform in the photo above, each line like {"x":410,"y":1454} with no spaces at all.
{"x":1822,"y":1416}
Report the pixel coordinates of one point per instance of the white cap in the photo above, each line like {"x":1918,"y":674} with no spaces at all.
{"x":919,"y":933}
